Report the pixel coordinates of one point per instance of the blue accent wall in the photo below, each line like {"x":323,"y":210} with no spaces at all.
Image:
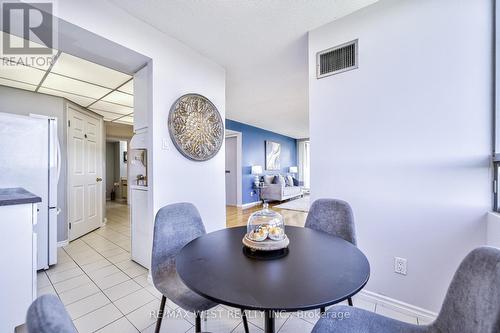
{"x":254,"y":153}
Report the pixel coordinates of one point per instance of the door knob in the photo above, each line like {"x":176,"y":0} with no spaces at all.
{"x":98,"y":179}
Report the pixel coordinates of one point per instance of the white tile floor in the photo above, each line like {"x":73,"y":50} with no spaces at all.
{"x":104,"y":291}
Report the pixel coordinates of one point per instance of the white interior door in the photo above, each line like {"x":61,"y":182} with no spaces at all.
{"x":85,"y":167}
{"x":231,"y":178}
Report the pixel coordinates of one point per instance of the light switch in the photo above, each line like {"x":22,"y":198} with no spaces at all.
{"x":164,"y":144}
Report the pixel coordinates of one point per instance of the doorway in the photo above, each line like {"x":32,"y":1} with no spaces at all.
{"x":116,"y":171}
{"x":231,"y":191}
{"x":91,"y":90}
{"x":117,"y":209}
{"x":233,"y":169}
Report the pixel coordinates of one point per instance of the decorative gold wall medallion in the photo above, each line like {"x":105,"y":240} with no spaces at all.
{"x":196,"y":127}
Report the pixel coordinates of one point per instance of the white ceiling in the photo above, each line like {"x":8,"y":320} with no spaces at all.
{"x":261,"y":43}
{"x":100,"y":89}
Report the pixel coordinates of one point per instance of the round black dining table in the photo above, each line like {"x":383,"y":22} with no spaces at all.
{"x":318,"y":271}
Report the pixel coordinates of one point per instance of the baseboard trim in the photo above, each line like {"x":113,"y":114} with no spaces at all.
{"x":62,"y":243}
{"x":251,"y":204}
{"x":396,"y":305}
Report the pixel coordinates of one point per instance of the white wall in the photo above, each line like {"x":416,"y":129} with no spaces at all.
{"x":177,"y":70}
{"x":493,"y":229}
{"x":406,"y":138}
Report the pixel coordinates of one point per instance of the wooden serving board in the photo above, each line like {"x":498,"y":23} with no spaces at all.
{"x":266,"y":245}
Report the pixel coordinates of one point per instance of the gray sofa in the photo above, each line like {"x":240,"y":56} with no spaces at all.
{"x":278,"y":192}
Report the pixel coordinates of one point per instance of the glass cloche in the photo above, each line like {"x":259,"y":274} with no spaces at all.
{"x":266,"y":225}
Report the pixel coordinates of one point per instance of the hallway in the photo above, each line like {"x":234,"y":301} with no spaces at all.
{"x":117,"y":228}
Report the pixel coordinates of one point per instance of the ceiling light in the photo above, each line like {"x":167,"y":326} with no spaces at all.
{"x":21,"y":73}
{"x":120,"y":98}
{"x":61,"y":83}
{"x":106,"y":114}
{"x":84,"y":70}
{"x":110,"y":107}
{"x":80,"y":100}
{"x":128,"y":87}
{"x":17,"y":84}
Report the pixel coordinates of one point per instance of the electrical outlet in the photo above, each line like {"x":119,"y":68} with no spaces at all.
{"x":400,"y":265}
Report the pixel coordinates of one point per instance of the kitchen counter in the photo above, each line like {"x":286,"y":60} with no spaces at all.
{"x":17,"y":196}
{"x":18,"y":249}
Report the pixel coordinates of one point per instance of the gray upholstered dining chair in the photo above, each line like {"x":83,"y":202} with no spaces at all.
{"x":175,"y":226}
{"x":335,"y":218}
{"x":471,"y":305}
{"x":48,"y":315}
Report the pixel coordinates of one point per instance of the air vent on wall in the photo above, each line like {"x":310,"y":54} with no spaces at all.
{"x":337,"y":59}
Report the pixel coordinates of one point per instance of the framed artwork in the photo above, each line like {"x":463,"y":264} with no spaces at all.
{"x":273,"y":152}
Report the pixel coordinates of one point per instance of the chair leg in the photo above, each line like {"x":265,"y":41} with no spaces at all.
{"x":197,"y":327}
{"x":160,"y":314}
{"x":349,"y":301}
{"x":245,"y":321}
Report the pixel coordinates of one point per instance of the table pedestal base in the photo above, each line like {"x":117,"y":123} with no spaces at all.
{"x":269,"y":321}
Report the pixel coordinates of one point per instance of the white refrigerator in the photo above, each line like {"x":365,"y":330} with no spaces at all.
{"x":30,"y":158}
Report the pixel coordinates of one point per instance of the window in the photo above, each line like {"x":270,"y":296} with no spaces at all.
{"x":305,"y":163}
{"x":496,"y":116}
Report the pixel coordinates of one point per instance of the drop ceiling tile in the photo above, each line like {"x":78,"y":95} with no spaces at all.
{"x":81,"y":100}
{"x":120,"y":98}
{"x":21,"y":73}
{"x":54,"y":81}
{"x":81,"y":69}
{"x":107,"y":115}
{"x":110,"y":107}
{"x":128,"y":87}
{"x":16,"y":84}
